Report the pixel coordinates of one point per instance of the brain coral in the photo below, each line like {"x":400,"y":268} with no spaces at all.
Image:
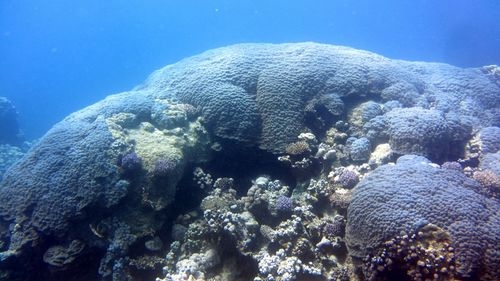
{"x":64,"y":179}
{"x":360,"y":149}
{"x":255,"y":94}
{"x":491,"y":161}
{"x":259,"y":93}
{"x":413,"y":193}
{"x":69,"y":169}
{"x":489,"y":139}
{"x":72,"y":176}
{"x":415,"y":130}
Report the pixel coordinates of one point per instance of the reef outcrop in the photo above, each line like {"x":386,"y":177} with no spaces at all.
{"x":12,"y":146}
{"x":9,"y":124}
{"x":278,"y":159}
{"x":413,"y":193}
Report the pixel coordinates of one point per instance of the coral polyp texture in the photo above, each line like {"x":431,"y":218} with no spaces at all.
{"x":257,"y":93}
{"x":413,"y":193}
{"x":265,"y":162}
{"x":130,"y":162}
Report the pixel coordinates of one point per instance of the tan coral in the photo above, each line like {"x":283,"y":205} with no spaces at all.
{"x":489,"y":181}
{"x":381,"y":154}
{"x":424,"y":255}
{"x":298,"y":148}
{"x":341,"y":198}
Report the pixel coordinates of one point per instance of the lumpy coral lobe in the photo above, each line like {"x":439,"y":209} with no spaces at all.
{"x":406,"y":196}
{"x":82,"y":182}
{"x":65,"y":178}
{"x":261,"y":94}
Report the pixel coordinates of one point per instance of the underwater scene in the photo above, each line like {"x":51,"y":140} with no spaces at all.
{"x":248,"y":140}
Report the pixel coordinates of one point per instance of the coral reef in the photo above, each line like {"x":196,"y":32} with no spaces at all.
{"x":8,"y":156}
{"x":162,"y":178}
{"x":347,"y":179}
{"x":251,"y":230}
{"x":130,"y":162}
{"x":426,"y":132}
{"x":486,"y":141}
{"x":406,"y":196}
{"x":284,"y":204}
{"x":298,"y":148}
{"x":262,"y":93}
{"x":405,"y":93}
{"x":363,"y":113}
{"x":493,"y":71}
{"x":491,"y":161}
{"x":452,"y":166}
{"x":164,"y":167}
{"x":360,"y":149}
{"x":489,"y":140}
{"x":59,"y":256}
{"x":79,"y":170}
{"x":489,"y":180}
{"x":12,"y":144}
{"x":9,"y":126}
{"x":424,"y":255}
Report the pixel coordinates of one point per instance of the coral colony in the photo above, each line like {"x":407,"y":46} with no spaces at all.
{"x":264,"y":162}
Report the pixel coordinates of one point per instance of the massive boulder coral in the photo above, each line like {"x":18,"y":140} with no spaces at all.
{"x":260,"y":94}
{"x":107,"y":175}
{"x":413,"y":193}
{"x":487,"y":140}
{"x":491,"y":161}
{"x":426,"y":132}
{"x":70,"y":181}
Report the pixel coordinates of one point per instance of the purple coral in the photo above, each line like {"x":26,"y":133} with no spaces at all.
{"x":284,"y":204}
{"x":489,"y":180}
{"x":224,"y":183}
{"x":452,"y":166}
{"x":335,"y":228}
{"x":164,"y":167}
{"x":348,"y":179}
{"x":131,"y":162}
{"x":411,"y":194}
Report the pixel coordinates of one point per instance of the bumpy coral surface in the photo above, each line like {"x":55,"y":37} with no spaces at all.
{"x":258,"y":93}
{"x":491,"y":161}
{"x":415,"y":130}
{"x":488,"y":140}
{"x":360,"y":149}
{"x":406,"y":196}
{"x":76,"y":173}
{"x":130,"y":162}
{"x":108,"y":176}
{"x":251,"y":237}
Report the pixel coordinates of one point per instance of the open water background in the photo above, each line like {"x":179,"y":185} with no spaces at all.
{"x":58,"y":56}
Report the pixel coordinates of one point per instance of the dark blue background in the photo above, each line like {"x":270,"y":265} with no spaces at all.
{"x":57,"y":56}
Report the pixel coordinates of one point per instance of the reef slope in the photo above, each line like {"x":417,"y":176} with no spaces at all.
{"x":95,"y":198}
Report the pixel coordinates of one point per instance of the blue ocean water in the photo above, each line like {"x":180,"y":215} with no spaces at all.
{"x":59,"y":56}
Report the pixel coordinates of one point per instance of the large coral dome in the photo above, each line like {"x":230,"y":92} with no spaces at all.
{"x":240,"y":163}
